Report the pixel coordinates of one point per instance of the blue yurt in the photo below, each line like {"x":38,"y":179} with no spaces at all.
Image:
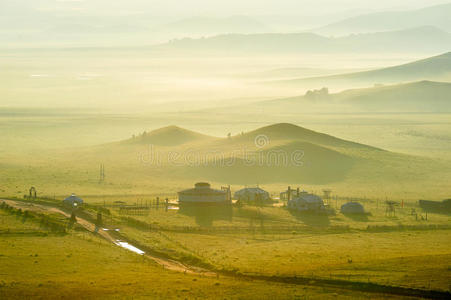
{"x":73,"y":200}
{"x":352,"y":208}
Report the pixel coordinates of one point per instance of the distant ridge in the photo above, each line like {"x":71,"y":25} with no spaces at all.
{"x":425,"y":39}
{"x":420,"y":96}
{"x":432,"y":68}
{"x":437,"y":16}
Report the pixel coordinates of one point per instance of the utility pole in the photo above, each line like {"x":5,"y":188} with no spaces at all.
{"x":102,"y":173}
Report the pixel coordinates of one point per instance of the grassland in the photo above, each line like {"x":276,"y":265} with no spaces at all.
{"x":348,"y":168}
{"x":404,"y":251}
{"x":79,"y":264}
{"x":59,"y":152}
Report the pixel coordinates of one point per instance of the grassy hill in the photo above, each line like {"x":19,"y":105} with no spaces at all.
{"x":168,"y":136}
{"x":432,"y":68}
{"x":421,"y":96}
{"x":274,"y":155}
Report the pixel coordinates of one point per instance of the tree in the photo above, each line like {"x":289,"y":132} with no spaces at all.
{"x":317,"y":94}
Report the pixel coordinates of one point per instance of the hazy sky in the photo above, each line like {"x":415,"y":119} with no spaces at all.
{"x":221,"y":7}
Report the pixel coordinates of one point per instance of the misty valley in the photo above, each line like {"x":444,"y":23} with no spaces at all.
{"x":254,"y":150}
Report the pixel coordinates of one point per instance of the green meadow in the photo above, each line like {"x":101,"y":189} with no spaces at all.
{"x":64,"y":265}
{"x":124,"y":104}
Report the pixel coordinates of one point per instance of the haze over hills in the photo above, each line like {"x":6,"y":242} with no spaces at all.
{"x":291,"y":132}
{"x":198,"y":26}
{"x":437,"y":16}
{"x":424,"y":39}
{"x":289,"y":154}
{"x":49,"y":23}
{"x":432,"y":68}
{"x":168,"y":136}
{"x":422,"y":96}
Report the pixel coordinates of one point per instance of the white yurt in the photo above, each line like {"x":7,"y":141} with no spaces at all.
{"x":252,"y":194}
{"x":306,"y":202}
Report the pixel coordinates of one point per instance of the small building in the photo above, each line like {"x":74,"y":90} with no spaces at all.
{"x":252,"y":195}
{"x":306,"y":202}
{"x":72,"y":201}
{"x":203,"y":193}
{"x":352,"y":208}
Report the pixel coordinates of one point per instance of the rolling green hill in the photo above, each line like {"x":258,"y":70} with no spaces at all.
{"x":277,"y":154}
{"x":291,"y":132}
{"x":168,"y":136}
{"x":172,"y":158}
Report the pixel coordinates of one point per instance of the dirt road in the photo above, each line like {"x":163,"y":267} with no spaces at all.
{"x":164,"y":262}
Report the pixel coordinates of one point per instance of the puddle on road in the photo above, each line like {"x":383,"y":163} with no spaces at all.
{"x":129,"y":247}
{"x":106,"y":229}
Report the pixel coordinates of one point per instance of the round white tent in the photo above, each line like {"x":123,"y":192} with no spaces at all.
{"x":306,"y":202}
{"x":252,"y":194}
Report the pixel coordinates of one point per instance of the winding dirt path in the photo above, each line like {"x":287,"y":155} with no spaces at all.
{"x":168,"y":264}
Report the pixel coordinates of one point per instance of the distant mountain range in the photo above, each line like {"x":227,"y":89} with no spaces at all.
{"x":437,"y":16}
{"x":433,"y":68}
{"x":33,"y":23}
{"x":425,"y":39}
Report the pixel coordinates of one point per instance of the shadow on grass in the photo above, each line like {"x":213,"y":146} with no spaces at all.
{"x":357,"y":217}
{"x":311,"y":218}
{"x":205,"y":215}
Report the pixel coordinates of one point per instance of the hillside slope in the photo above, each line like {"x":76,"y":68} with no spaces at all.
{"x":421,"y":96}
{"x":277,"y":155}
{"x":432,"y":68}
{"x":168,"y":136}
